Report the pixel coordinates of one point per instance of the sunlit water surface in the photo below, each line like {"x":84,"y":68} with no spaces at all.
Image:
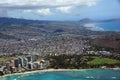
{"x":68,"y":75}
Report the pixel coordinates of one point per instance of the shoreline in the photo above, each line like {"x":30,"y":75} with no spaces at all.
{"x":53,"y":70}
{"x":43,"y":70}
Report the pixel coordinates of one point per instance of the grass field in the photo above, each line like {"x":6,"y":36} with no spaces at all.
{"x":100,"y":60}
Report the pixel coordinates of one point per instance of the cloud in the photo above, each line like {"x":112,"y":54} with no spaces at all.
{"x":44,"y":6}
{"x":92,"y":26}
{"x":35,"y":4}
{"x":47,"y":2}
{"x":65,"y":9}
{"x":42,"y":12}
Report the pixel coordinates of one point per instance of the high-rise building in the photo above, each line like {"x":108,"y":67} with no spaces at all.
{"x":21,"y":61}
{"x":17,"y":62}
{"x":30,"y":66}
{"x":8,"y":66}
{"x":36,"y":65}
{"x":25,"y":62}
{"x":29,"y":58}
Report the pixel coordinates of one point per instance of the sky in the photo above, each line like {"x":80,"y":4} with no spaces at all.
{"x":62,"y":10}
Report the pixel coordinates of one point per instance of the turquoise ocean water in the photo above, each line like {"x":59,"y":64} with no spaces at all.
{"x":68,"y":75}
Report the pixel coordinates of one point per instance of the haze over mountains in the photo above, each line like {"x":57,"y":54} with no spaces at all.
{"x":24,"y":29}
{"x":27,"y":28}
{"x":88,"y":20}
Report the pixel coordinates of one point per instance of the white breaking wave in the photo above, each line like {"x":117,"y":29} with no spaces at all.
{"x":90,"y":77}
{"x":113,"y":77}
{"x":92,"y":26}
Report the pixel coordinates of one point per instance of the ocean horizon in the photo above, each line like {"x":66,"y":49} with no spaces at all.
{"x":99,"y":74}
{"x":109,"y":26}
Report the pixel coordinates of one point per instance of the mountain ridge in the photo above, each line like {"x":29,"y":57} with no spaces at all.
{"x":89,"y":20}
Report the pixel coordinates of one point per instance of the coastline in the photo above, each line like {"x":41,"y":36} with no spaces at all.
{"x":53,"y":70}
{"x":43,"y":70}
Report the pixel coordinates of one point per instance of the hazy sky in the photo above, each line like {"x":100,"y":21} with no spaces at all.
{"x":60,"y":9}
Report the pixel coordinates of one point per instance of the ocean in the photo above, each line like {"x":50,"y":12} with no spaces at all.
{"x":109,"y":26}
{"x":68,"y":75}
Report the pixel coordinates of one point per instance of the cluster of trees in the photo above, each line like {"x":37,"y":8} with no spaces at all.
{"x":66,"y":61}
{"x":75,"y":62}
